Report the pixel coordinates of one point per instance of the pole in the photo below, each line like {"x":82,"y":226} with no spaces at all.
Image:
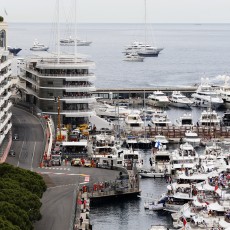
{"x":59,"y":117}
{"x":58,"y":32}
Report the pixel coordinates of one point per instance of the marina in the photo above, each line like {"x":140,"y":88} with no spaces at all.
{"x":174,"y":148}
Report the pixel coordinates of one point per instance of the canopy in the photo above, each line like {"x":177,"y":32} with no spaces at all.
{"x":75,"y":143}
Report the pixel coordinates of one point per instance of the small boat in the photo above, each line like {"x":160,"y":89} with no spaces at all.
{"x":39,"y":47}
{"x":192,"y":138}
{"x":133,"y":57}
{"x":14,"y":51}
{"x":151,"y":174}
{"x":71,"y":42}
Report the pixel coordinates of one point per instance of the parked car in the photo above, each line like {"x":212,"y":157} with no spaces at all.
{"x":15,"y":137}
{"x":76,"y":162}
{"x":12,"y":153}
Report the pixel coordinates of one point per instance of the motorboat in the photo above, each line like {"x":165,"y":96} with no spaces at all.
{"x":133,"y":122}
{"x":185,"y":157}
{"x":206,"y":96}
{"x":185,"y":120}
{"x":161,"y":161}
{"x":209,"y":118}
{"x":39,"y":47}
{"x":151,"y":174}
{"x":158,"y":99}
{"x":111,"y":111}
{"x":14,"y":51}
{"x":133,"y":57}
{"x":142,"y":49}
{"x":226,"y":118}
{"x":71,"y":42}
{"x":160,"y":120}
{"x":192,"y":138}
{"x":224,"y":92}
{"x":163,"y":140}
{"x":177,"y":99}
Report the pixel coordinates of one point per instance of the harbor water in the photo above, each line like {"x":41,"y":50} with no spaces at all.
{"x":190,"y":52}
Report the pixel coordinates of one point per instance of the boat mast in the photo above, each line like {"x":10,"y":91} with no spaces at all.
{"x":75,"y":29}
{"x":145,"y":24}
{"x":58,"y":32}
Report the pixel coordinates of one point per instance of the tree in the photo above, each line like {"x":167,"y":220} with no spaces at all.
{"x":1,"y":19}
{"x":15,"y":215}
{"x":24,"y":200}
{"x":7,"y":225}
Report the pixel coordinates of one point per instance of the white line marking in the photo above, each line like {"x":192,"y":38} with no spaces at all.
{"x":31,"y":168}
{"x":20,"y":154}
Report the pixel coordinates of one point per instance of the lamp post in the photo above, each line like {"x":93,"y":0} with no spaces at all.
{"x":57,"y":100}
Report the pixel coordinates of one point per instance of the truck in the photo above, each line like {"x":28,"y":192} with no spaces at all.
{"x":55,"y":160}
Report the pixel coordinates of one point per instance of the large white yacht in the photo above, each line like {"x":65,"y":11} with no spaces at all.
{"x":158,"y":99}
{"x":185,"y":120}
{"x":38,"y":46}
{"x":224,"y":92}
{"x":5,"y":93}
{"x":177,"y":99}
{"x":206,"y":96}
{"x":209,"y":118}
{"x":142,"y":49}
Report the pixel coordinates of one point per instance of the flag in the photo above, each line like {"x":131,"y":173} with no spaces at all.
{"x":5,"y":12}
{"x":216,"y":187}
{"x":184,"y":221}
{"x":157,"y":144}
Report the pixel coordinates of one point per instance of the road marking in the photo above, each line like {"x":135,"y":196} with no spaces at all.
{"x":20,"y":153}
{"x":33,"y":157}
{"x":67,"y":174}
{"x":67,"y":169}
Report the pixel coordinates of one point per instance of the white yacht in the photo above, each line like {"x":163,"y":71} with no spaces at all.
{"x":133,"y":122}
{"x":39,"y":46}
{"x":209,"y":118}
{"x":5,"y":93}
{"x":160,"y":120}
{"x":162,"y":161}
{"x":192,"y":138}
{"x":142,"y":49}
{"x":133,"y":57}
{"x":111,"y":111}
{"x":184,"y":157}
{"x":185,"y":120}
{"x":224,"y":92}
{"x":177,"y":99}
{"x":71,"y":42}
{"x":158,"y":98}
{"x":206,"y":96}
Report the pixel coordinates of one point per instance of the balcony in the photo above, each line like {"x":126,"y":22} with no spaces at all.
{"x":2,"y":90}
{"x":6,"y":109}
{"x":5,"y":64}
{"x":7,"y":85}
{"x":9,"y":73}
{"x":78,"y":113}
{"x":8,"y":128}
{"x":1,"y":78}
{"x":28,"y":89}
{"x":5,"y":121}
{"x":1,"y":115}
{"x":76,"y":99}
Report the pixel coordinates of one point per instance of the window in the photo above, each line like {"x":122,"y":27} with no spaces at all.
{"x":50,"y":83}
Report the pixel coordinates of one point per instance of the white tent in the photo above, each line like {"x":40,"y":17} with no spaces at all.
{"x":216,"y":207}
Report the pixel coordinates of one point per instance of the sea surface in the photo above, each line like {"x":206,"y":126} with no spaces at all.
{"x":191,"y":51}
